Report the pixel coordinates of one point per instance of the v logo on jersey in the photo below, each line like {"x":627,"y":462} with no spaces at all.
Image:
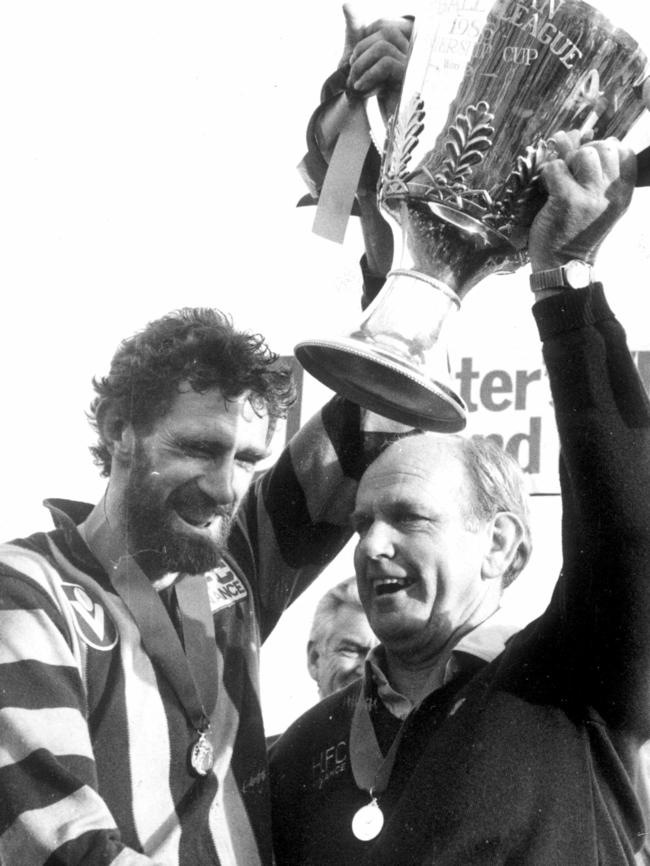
{"x":92,"y":614}
{"x":93,"y":625}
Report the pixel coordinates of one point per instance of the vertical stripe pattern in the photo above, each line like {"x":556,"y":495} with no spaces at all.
{"x":94,"y":744}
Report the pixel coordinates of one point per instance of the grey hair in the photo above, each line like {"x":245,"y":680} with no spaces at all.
{"x":498,"y":484}
{"x":344,"y":594}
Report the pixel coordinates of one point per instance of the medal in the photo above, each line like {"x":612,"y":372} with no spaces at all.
{"x":202,"y":755}
{"x":370,"y":769}
{"x":368,"y":821}
{"x":188,"y":660}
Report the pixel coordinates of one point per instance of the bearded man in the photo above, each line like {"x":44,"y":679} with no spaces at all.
{"x":130,"y":723}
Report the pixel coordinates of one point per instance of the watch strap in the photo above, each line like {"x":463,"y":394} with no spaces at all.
{"x":575,"y":274}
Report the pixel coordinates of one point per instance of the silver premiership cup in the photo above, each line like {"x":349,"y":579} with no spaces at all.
{"x":486,"y":87}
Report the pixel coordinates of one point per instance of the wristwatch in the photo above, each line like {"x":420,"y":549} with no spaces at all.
{"x":576,"y":274}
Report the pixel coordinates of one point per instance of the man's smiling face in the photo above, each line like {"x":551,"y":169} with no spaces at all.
{"x":419,"y":559}
{"x":188,"y":475}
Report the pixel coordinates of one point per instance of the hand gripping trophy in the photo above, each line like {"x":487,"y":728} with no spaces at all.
{"x":486,"y":87}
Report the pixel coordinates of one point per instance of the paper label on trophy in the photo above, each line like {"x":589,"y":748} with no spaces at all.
{"x":449,"y":31}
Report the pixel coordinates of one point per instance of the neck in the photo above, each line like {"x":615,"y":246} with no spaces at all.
{"x":414,"y":672}
{"x":104,"y":528}
{"x":413,"y":680}
{"x":92,"y":530}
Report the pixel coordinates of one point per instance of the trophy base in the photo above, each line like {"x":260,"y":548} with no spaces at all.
{"x":383,"y":383}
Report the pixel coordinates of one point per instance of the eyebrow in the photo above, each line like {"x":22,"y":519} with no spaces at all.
{"x":356,"y":516}
{"x":347,"y":642}
{"x":214,"y":447}
{"x":253,"y":454}
{"x":391,"y":509}
{"x":196,"y":443}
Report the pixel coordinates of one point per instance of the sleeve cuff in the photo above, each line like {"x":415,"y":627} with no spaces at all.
{"x":570,"y":310}
{"x":313,"y":167}
{"x":372,"y":283}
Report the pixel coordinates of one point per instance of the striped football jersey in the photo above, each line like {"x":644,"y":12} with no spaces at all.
{"x":93,"y":740}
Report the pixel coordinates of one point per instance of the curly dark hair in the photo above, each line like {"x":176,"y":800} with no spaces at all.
{"x":195,"y":345}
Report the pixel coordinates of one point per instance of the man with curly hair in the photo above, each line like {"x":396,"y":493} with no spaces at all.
{"x":130,"y":723}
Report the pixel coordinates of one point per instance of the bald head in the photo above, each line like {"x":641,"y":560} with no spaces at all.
{"x":488,"y":478}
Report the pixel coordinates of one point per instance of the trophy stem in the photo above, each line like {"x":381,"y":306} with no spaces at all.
{"x":396,"y":362}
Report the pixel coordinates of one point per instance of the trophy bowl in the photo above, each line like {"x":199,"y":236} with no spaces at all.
{"x":487,"y":85}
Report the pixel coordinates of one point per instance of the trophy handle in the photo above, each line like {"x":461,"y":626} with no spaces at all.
{"x":643,"y":158}
{"x":378,"y":128}
{"x":643,"y":168}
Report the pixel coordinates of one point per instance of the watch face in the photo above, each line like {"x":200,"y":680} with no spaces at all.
{"x":577,"y":274}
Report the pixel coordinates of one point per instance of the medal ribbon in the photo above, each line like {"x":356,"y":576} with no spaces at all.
{"x":192,"y":672}
{"x":371,"y":769}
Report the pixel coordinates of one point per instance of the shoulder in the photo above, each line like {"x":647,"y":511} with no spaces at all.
{"x":28,"y":573}
{"x":42,"y":589}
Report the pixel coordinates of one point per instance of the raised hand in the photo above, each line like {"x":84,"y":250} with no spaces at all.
{"x":378,"y":58}
{"x":589,"y":188}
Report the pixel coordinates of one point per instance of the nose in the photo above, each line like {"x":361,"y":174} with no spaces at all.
{"x":217,"y":480}
{"x":376,"y":542}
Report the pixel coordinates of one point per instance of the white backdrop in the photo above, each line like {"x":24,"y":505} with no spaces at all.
{"x":147,"y":162}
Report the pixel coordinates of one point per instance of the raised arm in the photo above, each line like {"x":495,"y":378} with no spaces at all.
{"x":295,"y":518}
{"x":373,"y":62}
{"x":601,"y":604}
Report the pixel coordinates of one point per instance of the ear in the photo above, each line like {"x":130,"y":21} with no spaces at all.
{"x":312,"y":659}
{"x":505,"y":535}
{"x":116,"y":433}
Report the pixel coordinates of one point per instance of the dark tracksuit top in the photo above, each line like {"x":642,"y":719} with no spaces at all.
{"x":532,"y":761}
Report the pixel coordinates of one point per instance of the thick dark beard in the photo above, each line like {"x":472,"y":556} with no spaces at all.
{"x":156,"y":545}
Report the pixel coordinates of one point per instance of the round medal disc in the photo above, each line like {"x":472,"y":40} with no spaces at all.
{"x":202,"y":756}
{"x":367,"y":822}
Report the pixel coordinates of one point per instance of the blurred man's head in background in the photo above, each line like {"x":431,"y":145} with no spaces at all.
{"x":339,"y":640}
